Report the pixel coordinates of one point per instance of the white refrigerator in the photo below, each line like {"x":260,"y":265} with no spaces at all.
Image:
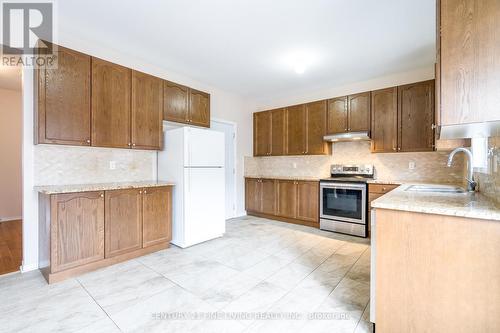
{"x":193,"y":158}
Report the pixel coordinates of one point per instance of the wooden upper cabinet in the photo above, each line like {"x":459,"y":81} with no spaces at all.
{"x":287,"y":198}
{"x":147,"y":111}
{"x":123,"y":214}
{"x":278,"y":129}
{"x":77,"y":234}
{"x":384,"y":119}
{"x":199,"y":108}
{"x":316,"y":128}
{"x":175,"y":102}
{"x":156,"y":215}
{"x":308,"y":201}
{"x":337,"y":115}
{"x":252,"y":194}
{"x":359,"y":112}
{"x":296,"y":130}
{"x":63,"y":94}
{"x":268,"y":196}
{"x":416,"y":116}
{"x":262,"y":133}
{"x":469,"y":61}
{"x":111,"y":85}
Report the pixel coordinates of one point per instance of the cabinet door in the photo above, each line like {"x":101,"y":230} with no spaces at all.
{"x":308,"y":201}
{"x":175,"y":102}
{"x":111,"y":85}
{"x":316,"y":128}
{"x":199,"y":108}
{"x":337,"y":115}
{"x":384,"y":129}
{"x":262,"y":133}
{"x":278,"y":139}
{"x":416,"y":116}
{"x":296,"y":130}
{"x":147,"y":111}
{"x":287,"y":198}
{"x":359,"y":112}
{"x":63,"y":94}
{"x":77,"y":234}
{"x":268,"y":195}
{"x":156,"y":215}
{"x":123,"y":213}
{"x":252,"y":195}
{"x":470,"y":45}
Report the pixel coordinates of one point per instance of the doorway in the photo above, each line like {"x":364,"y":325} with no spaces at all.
{"x":229,"y":129}
{"x":11,"y":122}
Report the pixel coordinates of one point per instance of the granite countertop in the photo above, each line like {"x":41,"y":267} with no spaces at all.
{"x":307,"y":178}
{"x":58,"y":189}
{"x":471,"y":205}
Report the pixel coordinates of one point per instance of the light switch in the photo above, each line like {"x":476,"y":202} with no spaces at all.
{"x":112,"y":165}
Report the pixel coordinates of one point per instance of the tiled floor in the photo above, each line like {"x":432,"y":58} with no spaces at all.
{"x":258,"y":266}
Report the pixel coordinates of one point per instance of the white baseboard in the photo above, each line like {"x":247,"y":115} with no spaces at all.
{"x":28,"y":268}
{"x":5,"y":219}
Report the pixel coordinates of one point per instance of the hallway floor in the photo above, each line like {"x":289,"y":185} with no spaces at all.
{"x":11,"y":249}
{"x":305,"y":279}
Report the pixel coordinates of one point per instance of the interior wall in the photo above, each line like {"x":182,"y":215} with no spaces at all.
{"x":10,"y":152}
{"x":389,"y":167}
{"x":489,"y":179}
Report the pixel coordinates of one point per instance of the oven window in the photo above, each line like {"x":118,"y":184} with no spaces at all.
{"x":343,"y":203}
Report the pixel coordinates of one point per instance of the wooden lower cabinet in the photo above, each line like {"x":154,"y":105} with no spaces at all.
{"x":307,"y":201}
{"x":77,"y":232}
{"x":84,"y":231}
{"x":156,"y":210}
{"x":123,"y":221}
{"x":293,"y":201}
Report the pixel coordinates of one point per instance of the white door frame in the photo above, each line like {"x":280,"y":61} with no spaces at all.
{"x":235,"y":188}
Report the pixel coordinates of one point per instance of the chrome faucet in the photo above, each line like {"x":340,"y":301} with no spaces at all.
{"x":471,"y":184}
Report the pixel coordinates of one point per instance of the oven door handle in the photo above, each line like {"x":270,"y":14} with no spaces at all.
{"x":344,"y":186}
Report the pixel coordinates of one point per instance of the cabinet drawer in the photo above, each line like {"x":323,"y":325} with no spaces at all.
{"x":381,"y":188}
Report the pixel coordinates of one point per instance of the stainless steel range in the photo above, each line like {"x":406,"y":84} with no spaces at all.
{"x":344,"y":199}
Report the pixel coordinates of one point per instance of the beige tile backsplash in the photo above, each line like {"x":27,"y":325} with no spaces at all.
{"x":489,"y":180}
{"x":59,"y":165}
{"x":429,"y":166}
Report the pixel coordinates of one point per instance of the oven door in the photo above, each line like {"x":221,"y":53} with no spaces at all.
{"x":343,"y":202}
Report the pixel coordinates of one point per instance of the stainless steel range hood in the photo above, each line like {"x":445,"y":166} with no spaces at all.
{"x":349,"y":136}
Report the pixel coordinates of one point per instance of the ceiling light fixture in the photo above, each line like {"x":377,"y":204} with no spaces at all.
{"x":300,"y":60}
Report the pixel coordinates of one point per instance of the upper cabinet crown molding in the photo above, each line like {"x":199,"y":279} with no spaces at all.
{"x":467,"y":68}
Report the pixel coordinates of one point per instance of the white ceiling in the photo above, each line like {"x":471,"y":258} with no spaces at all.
{"x":243,"y":46}
{"x":10,"y":78}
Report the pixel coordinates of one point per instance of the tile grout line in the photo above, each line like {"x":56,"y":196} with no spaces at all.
{"x":99,"y":305}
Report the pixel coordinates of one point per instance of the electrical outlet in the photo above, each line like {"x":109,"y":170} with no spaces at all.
{"x":112,"y":165}
{"x":294,"y":165}
{"x":411,"y":165}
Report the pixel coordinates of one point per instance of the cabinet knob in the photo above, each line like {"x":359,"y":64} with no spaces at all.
{"x":140,"y":192}
{"x":133,"y":145}
{"x":88,"y":141}
{"x":129,"y":144}
{"x":394,"y":148}
{"x":102,"y":195}
{"x":145,"y":192}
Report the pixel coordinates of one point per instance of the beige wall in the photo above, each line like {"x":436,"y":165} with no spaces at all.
{"x":429,"y":166}
{"x":10,"y":152}
{"x":59,"y":165}
{"x":489,"y":180}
